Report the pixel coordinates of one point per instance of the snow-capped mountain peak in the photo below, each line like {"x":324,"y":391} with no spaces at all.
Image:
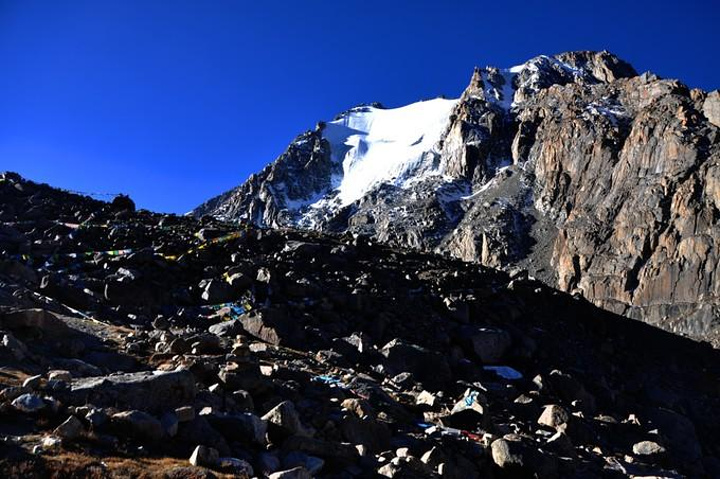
{"x":553,"y":166}
{"x":367,"y":148}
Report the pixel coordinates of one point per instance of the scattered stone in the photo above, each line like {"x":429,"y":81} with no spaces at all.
{"x":139,"y":424}
{"x":516,"y":457}
{"x":470,"y":412}
{"x":370,"y":345}
{"x":60,"y":375}
{"x":490,"y":344}
{"x":286,"y":417}
{"x":16,"y":347}
{"x":294,"y":473}
{"x":185,"y":413}
{"x":33,"y":382}
{"x":96,"y":417}
{"x":360,"y":407}
{"x":570,"y":390}
{"x":29,"y":403}
{"x":35,"y":319}
{"x":426,"y":398}
{"x":71,"y":429}
{"x":553,"y":416}
{"x":170,"y":423}
{"x":427,"y":366}
{"x":205,"y":456}
{"x":648,"y":448}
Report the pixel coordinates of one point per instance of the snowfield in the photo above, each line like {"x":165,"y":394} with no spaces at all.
{"x":377,"y":146}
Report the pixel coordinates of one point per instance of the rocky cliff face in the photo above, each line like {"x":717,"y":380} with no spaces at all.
{"x":595,"y":179}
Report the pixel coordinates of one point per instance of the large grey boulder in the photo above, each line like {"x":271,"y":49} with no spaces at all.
{"x":138,"y":424}
{"x":34,"y":319}
{"x":428,"y":366}
{"x":153,"y":391}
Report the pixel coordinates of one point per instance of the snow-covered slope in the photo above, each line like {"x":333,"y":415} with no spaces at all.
{"x":377,"y":146}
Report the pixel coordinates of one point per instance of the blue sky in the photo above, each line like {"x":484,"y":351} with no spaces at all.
{"x":174,"y":101}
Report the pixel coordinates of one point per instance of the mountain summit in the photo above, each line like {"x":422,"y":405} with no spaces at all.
{"x":595,"y":179}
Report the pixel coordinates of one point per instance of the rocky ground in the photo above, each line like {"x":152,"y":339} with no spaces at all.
{"x":142,"y":345}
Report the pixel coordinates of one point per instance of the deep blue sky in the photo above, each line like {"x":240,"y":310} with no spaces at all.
{"x":174,"y":101}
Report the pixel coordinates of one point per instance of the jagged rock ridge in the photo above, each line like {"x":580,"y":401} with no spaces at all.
{"x":596,"y":179}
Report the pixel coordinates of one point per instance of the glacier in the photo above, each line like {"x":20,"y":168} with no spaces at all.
{"x":377,"y":146}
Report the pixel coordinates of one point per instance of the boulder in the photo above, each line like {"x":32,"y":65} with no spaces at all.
{"x":680,"y":432}
{"x":71,"y":429}
{"x":216,"y":291}
{"x":29,"y":403}
{"x":360,"y":407}
{"x":123,"y":203}
{"x":227,"y":329}
{"x":13,"y":345}
{"x":571,"y":390}
{"x":33,"y":382}
{"x":269,"y":325}
{"x":96,"y":417}
{"x":427,"y":366}
{"x":294,"y":473}
{"x":518,"y":459}
{"x":489,"y":344}
{"x":59,"y":375}
{"x":470,"y":412}
{"x":152,"y":391}
{"x":205,"y":456}
{"x":374,"y":435}
{"x":185,"y":413}
{"x":138,"y":424}
{"x":34,"y":319}
{"x":245,"y":428}
{"x":170,"y":423}
{"x":294,"y":459}
{"x":648,"y":449}
{"x":286,"y":417}
{"x":553,"y":416}
{"x":199,"y":430}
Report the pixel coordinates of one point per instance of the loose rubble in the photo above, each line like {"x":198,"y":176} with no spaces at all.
{"x":137,"y":344}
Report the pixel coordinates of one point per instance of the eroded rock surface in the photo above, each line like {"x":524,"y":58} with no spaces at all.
{"x":593,"y":178}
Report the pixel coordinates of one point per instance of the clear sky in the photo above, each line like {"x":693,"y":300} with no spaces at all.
{"x":174,"y":101}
